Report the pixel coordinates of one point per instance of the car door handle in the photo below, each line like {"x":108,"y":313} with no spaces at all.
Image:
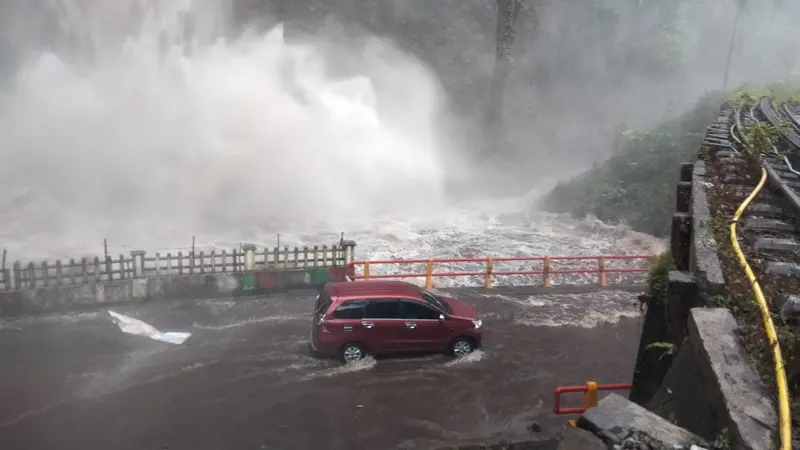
{"x":367,"y":324}
{"x":348,"y":328}
{"x":411,"y":325}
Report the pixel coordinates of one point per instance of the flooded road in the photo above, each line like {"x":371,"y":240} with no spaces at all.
{"x":245,"y":378}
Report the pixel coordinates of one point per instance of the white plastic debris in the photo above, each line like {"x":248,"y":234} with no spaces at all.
{"x":135,"y":326}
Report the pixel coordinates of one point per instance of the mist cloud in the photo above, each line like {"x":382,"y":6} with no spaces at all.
{"x":218,"y":132}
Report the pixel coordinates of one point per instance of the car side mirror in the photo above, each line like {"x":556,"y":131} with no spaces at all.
{"x":441,"y":317}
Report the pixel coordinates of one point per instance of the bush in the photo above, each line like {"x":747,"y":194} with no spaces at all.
{"x":637,"y":184}
{"x":658,"y":276}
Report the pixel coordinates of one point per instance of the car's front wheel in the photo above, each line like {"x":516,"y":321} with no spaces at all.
{"x":461,"y":346}
{"x":352,"y":352}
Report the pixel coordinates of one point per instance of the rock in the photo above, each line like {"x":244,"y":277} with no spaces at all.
{"x":620,"y":421}
{"x":535,"y":427}
{"x":578,"y":439}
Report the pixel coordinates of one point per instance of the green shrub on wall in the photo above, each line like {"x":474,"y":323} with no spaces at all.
{"x":637,"y":184}
{"x":658,"y":276}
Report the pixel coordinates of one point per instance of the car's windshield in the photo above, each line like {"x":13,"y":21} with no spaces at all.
{"x":436,"y":301}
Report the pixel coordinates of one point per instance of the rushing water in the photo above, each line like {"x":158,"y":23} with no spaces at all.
{"x":142,"y":124}
{"x":245,"y":379}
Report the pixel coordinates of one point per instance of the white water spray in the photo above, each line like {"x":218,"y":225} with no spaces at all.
{"x":145,"y":122}
{"x":151,"y":114}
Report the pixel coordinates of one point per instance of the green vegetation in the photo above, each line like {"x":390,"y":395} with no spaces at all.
{"x":657,"y":277}
{"x":780,"y":91}
{"x":668,"y":348}
{"x":636,"y":184}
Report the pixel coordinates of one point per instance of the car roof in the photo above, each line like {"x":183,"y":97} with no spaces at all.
{"x":373,"y":287}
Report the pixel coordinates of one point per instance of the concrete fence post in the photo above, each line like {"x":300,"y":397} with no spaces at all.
{"x":687,"y":170}
{"x":138,"y":263}
{"x":684,"y":197}
{"x":349,"y":251}
{"x":249,"y":256}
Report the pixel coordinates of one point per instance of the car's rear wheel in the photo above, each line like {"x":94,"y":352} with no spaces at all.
{"x":461,"y":346}
{"x":352,"y":352}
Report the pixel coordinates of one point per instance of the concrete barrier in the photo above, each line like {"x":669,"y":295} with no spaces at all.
{"x":691,"y":369}
{"x":61,"y":287}
{"x":712,"y":385}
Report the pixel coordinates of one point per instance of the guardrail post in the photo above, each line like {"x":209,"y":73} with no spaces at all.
{"x":546,"y":272}
{"x":366,"y":270}
{"x":249,"y":256}
{"x":429,"y":274}
{"x":138,"y":263}
{"x":590,"y":396}
{"x":602,"y":266}
{"x":487,"y":283}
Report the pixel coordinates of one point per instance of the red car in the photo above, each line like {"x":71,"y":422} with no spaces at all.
{"x":353,"y":319}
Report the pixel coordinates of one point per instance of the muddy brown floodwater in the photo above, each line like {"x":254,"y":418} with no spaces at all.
{"x":245,"y":378}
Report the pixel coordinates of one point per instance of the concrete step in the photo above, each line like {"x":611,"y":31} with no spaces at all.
{"x":767,"y":225}
{"x":733,"y":168}
{"x":740,"y":190}
{"x":787,"y":175}
{"x":735,"y":179}
{"x":789,"y":306}
{"x":728,"y":157}
{"x":776,"y":245}
{"x":765,"y":210}
{"x":780,"y":269}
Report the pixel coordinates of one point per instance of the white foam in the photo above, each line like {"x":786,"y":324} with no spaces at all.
{"x":340,"y":369}
{"x":134,"y":326}
{"x":472,"y":358}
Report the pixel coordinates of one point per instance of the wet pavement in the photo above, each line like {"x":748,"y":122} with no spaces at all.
{"x":245,"y":378}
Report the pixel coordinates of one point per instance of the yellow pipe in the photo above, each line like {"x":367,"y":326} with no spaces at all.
{"x":780,"y":374}
{"x":733,"y":135}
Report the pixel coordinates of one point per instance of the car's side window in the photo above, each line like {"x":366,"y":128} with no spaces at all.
{"x":382,"y":309}
{"x":351,"y":310}
{"x":417,"y":311}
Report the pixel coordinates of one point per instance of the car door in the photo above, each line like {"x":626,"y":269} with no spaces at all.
{"x":344,"y":323}
{"x":422,"y":329}
{"x":383,"y":323}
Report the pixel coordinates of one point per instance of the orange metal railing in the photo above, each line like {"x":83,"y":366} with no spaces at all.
{"x":589,"y":396}
{"x":489,"y":271}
